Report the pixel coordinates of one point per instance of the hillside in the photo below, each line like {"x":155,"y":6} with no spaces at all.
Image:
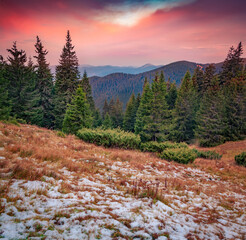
{"x":122,"y":85}
{"x":102,"y":71}
{"x":62,"y":188}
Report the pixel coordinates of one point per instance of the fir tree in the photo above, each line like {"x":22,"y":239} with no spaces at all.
{"x":210,"y":117}
{"x":233,"y":84}
{"x":119,"y":113}
{"x":233,"y":64}
{"x":185,"y":111}
{"x":5,"y":105}
{"x":138,"y":99}
{"x":107,"y":122}
{"x":16,"y":77}
{"x":158,"y":126}
{"x":97,"y":119}
{"x":143,"y":113}
{"x":198,"y":79}
{"x":22,"y":80}
{"x":172,"y":95}
{"x":85,"y":83}
{"x":32,"y":109}
{"x":44,"y":85}
{"x":105,"y":108}
{"x":78,"y":113}
{"x":235,"y":108}
{"x":130,"y":114}
{"x":208,"y":78}
{"x":67,"y":76}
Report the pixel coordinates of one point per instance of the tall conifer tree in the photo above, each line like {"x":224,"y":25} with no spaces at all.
{"x":185,"y":111}
{"x":78,"y":113}
{"x":5,"y":105}
{"x":85,"y":83}
{"x":105,"y":108}
{"x":130,"y":114}
{"x":143,"y":113}
{"x":67,"y":76}
{"x":233,"y":64}
{"x":22,"y":81}
{"x":172,"y":95}
{"x":158,"y":126}
{"x":210,"y":117}
{"x":44,"y":85}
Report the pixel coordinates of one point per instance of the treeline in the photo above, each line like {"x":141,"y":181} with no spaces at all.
{"x":207,"y":107}
{"x":28,"y":90}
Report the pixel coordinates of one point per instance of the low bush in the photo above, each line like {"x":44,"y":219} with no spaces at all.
{"x":180,"y":155}
{"x":15,"y":121}
{"x":241,"y":159}
{"x":60,"y":134}
{"x":160,"y":146}
{"x":110,"y":138}
{"x":207,"y":154}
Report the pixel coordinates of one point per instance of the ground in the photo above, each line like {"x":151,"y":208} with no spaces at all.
{"x":59,"y":187}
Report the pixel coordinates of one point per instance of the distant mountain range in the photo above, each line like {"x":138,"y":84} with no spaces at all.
{"x":102,"y":71}
{"x":122,"y":85}
{"x":116,"y":81}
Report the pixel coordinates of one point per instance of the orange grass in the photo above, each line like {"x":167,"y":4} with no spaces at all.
{"x":32,"y":152}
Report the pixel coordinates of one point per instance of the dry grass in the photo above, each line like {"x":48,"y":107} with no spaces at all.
{"x":226,"y":168}
{"x":33,"y":152}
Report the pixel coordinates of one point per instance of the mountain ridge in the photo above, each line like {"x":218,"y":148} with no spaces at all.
{"x":122,"y":85}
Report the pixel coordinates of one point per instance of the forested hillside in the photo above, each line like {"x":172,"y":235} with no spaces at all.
{"x":122,"y":85}
{"x":208,"y":106}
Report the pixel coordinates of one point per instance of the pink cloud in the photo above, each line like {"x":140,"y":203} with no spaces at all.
{"x":202,"y":31}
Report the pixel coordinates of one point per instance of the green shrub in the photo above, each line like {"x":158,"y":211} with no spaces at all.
{"x":110,"y":138}
{"x":207,"y":154}
{"x":160,"y":147}
{"x":241,"y":159}
{"x":15,"y":121}
{"x":180,"y":155}
{"x":60,"y":134}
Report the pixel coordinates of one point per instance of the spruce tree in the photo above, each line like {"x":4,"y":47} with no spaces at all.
{"x":107,"y":122}
{"x":16,"y":72}
{"x":233,"y":84}
{"x":85,"y":83}
{"x":198,"y":79}
{"x":208,"y":78}
{"x":143,"y":113}
{"x":105,"y":108}
{"x":97,"y":119}
{"x":67,"y":76}
{"x":233,"y":64}
{"x":44,"y":85}
{"x":5,"y":104}
{"x":118,"y":111}
{"x":172,"y":95}
{"x":210,"y":117}
{"x":78,"y":113}
{"x":111,"y":111}
{"x":158,"y":126}
{"x":185,"y":111}
{"x":235,"y":108}
{"x":32,"y":109}
{"x":22,"y":81}
{"x":130,"y":114}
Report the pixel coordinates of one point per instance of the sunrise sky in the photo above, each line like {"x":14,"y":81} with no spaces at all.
{"x":123,"y":32}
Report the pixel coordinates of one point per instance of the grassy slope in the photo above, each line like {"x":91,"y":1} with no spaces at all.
{"x":63,"y":188}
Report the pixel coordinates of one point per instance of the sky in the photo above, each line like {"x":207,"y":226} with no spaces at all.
{"x":123,"y":32}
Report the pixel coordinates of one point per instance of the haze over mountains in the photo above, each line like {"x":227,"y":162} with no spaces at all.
{"x":102,"y":71}
{"x":117,"y":81}
{"x":122,"y":85}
